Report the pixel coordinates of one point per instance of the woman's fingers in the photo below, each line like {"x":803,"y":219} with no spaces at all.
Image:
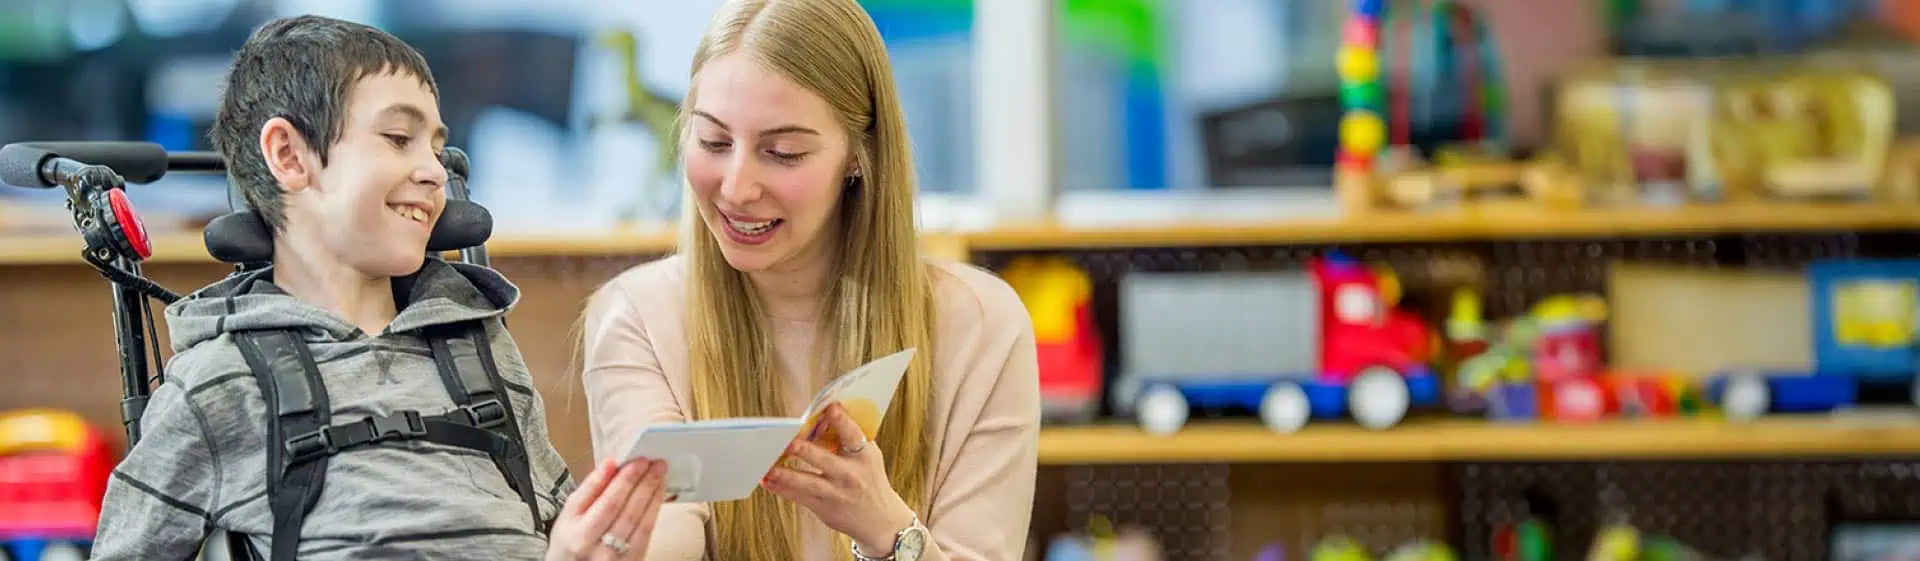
{"x":599,"y":517}
{"x":590,"y":488}
{"x":827,"y":462}
{"x":634,"y":503}
{"x":804,"y":488}
{"x":850,"y":433}
{"x":651,"y":506}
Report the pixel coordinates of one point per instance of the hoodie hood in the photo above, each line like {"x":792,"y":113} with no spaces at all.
{"x":439,"y":293}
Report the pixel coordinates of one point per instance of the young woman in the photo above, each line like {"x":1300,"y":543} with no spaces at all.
{"x":800,"y":262}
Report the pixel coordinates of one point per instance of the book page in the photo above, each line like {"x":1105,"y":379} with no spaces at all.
{"x":865,"y":392}
{"x":716,"y":460}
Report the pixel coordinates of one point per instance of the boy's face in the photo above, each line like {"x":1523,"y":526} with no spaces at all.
{"x":372,"y":206}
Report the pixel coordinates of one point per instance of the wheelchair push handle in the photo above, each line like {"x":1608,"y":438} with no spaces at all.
{"x":46,"y":164}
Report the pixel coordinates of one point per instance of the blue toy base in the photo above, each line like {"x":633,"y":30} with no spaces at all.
{"x":1325,"y":400}
{"x":36,"y":549}
{"x":1795,"y":392}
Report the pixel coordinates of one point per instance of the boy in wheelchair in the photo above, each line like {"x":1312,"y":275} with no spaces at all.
{"x":354,"y":399}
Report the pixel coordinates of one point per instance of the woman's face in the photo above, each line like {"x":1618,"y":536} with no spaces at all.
{"x":767,"y":163}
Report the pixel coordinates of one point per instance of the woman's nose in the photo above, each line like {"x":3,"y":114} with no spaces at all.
{"x":742,"y":182}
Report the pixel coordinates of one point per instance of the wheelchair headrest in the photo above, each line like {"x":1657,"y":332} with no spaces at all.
{"x":243,"y":237}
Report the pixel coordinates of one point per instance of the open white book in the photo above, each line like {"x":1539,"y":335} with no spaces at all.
{"x":725,"y":459}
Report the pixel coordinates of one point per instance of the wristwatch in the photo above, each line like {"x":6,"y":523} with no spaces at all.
{"x":907,"y":544}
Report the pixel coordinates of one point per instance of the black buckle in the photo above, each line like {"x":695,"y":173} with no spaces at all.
{"x":486,"y":414}
{"x":400,"y":425}
{"x":309,"y":446}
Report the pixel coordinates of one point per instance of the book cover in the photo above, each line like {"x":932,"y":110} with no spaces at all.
{"x":724,"y":459}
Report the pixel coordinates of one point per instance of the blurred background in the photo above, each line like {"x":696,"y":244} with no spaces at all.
{"x":1328,"y":279}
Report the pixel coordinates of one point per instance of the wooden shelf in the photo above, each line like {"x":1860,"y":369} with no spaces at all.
{"x":1498,"y":222}
{"x":188,"y":247}
{"x":1465,"y":440}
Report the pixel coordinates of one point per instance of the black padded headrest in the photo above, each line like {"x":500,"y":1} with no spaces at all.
{"x":242,"y":237}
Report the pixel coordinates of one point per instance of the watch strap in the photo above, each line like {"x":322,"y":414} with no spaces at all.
{"x":897,"y":538}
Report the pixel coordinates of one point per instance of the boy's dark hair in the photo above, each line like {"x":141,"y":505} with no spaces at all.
{"x":302,"y":69}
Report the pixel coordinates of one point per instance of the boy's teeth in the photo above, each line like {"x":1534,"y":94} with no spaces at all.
{"x":410,"y":213}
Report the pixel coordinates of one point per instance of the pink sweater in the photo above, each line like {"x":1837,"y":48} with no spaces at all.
{"x":986,"y":403}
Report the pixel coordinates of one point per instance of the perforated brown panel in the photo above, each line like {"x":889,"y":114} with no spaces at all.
{"x":1185,"y":506}
{"x":1779,"y":510}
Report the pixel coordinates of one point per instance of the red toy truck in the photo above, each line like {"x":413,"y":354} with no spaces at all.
{"x":1324,"y":343}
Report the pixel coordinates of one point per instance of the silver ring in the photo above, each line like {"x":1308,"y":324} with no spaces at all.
{"x":855,"y":450}
{"x":614,"y":543}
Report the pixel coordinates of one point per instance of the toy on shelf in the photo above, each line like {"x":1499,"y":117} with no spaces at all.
{"x":1059,"y":298}
{"x":1343,"y":548}
{"x":1864,"y":334}
{"x":1324,"y":343}
{"x":1103,"y":543}
{"x":1621,"y":542}
{"x":1422,"y":551}
{"x":1548,"y":364}
{"x":1529,"y":540}
{"x":1567,"y":361}
{"x":1385,"y":128}
{"x":1635,"y":132}
{"x":1813,"y":134}
{"x":53,"y":476}
{"x":1338,"y":548}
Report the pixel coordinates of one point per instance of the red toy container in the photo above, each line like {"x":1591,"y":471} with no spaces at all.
{"x":53,"y":475}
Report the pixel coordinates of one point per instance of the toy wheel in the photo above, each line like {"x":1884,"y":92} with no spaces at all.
{"x":1747,"y":397}
{"x":62,"y":552}
{"x":1284,"y":408}
{"x":1379,"y":398}
{"x":1161,"y":410}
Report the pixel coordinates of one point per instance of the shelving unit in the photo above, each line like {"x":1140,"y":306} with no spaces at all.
{"x":1220,"y":487}
{"x":1502,"y":222}
{"x":1479,"y":441}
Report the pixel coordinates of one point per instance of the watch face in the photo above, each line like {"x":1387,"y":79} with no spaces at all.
{"x":912,"y":542}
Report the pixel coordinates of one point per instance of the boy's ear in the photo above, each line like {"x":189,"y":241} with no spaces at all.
{"x":287,"y":155}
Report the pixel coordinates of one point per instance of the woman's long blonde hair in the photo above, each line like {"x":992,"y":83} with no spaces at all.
{"x":879,"y":298}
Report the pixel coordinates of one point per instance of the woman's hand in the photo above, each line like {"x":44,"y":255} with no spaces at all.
{"x":611,"y":516}
{"x":848,"y":491}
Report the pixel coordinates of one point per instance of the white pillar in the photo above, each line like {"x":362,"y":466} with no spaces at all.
{"x":1013,"y":107}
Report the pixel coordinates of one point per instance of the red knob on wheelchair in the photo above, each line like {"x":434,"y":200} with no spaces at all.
{"x":128,"y":232}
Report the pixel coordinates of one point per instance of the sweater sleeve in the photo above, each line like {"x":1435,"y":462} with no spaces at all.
{"x":157,"y":502}
{"x":983,"y":506}
{"x":626,"y":391}
{"x":552,"y":482}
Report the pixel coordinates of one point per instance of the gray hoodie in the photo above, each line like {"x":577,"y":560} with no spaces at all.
{"x":200,"y":463}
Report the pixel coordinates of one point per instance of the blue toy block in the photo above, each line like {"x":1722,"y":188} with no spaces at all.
{"x":1513,"y":402}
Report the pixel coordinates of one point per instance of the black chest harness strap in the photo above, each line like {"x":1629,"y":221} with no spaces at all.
{"x":302,"y":435}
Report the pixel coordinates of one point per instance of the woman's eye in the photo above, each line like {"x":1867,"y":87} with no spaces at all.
{"x":398,"y":140}
{"x":713,"y":145}
{"x":788,"y":157}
